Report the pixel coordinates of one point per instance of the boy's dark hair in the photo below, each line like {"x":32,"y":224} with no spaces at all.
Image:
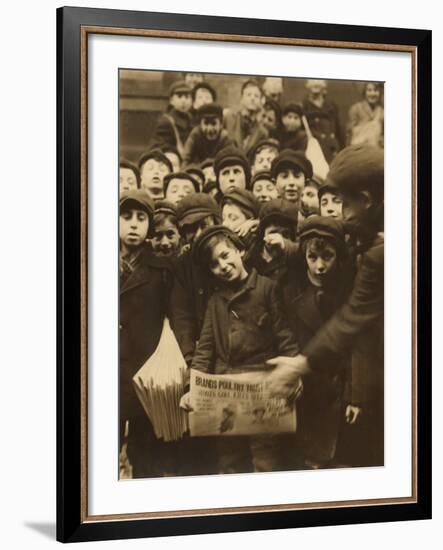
{"x":165,"y":211}
{"x":229,"y":156}
{"x":251,"y":82}
{"x":205,"y":86}
{"x":289,"y":158}
{"x":126,"y":164}
{"x":293,"y":108}
{"x":157,"y":155}
{"x":260,"y":176}
{"x":326,"y":231}
{"x":263,"y":144}
{"x":181,"y":176}
{"x":210,"y":110}
{"x":271,"y":105}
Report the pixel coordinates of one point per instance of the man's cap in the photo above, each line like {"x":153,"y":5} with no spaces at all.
{"x":139,"y":200}
{"x":279,"y":211}
{"x":207,"y":162}
{"x":156,"y":154}
{"x":180,"y":176}
{"x":179,"y":87}
{"x":207,"y":234}
{"x":358,"y":168}
{"x":194,"y":208}
{"x":244,"y":199}
{"x":229,"y":156}
{"x":290,"y":158}
{"x":292,"y":108}
{"x":262,"y":144}
{"x":208,"y":110}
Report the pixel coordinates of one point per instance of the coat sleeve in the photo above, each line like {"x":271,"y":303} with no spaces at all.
{"x":286,"y":343}
{"x":363,"y":308}
{"x":163,"y":134}
{"x":204,"y":356}
{"x":181,"y":314}
{"x":190,"y":147}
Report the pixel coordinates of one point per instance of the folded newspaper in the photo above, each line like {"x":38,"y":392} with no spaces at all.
{"x":237,"y":404}
{"x":159,"y":385}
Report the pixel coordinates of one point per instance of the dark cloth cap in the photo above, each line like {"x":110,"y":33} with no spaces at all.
{"x":229,"y":156}
{"x":207,"y":162}
{"x":327,"y":188}
{"x":165,"y":207}
{"x":139,"y":199}
{"x":179,"y":87}
{"x":323,"y":226}
{"x":209,"y":186}
{"x":293,"y":108}
{"x":244,"y":199}
{"x":182,"y":176}
{"x":194,"y":208}
{"x":156,"y":154}
{"x":270,"y":142}
{"x":194,"y":169}
{"x":263,"y":175}
{"x":126,"y":164}
{"x":288,"y":157}
{"x":278,"y":210}
{"x":358,"y":168}
{"x":205,"y":86}
{"x":207,"y":234}
{"x":210,"y":110}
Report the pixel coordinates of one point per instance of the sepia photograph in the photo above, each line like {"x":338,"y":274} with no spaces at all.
{"x":251,"y":273}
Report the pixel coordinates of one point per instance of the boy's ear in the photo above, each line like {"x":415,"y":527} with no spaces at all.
{"x":368,"y":201}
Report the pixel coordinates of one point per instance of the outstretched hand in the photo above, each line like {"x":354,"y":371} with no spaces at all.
{"x":285,"y":376}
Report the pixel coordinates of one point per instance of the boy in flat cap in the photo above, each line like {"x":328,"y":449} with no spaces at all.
{"x":313,"y":289}
{"x":290,"y":171}
{"x":293,"y":135}
{"x":174,"y":126}
{"x":145,"y":284}
{"x":232,"y":169}
{"x":240,"y":214}
{"x":243,"y":124}
{"x":309,"y":201}
{"x":203,"y":94}
{"x":129,"y":176}
{"x":178,"y":185}
{"x":330,"y":201}
{"x":208,"y":137}
{"x":272,"y":246}
{"x":358,"y":326}
{"x":263,"y":187}
{"x":154,"y":166}
{"x":243,"y":326}
{"x":165,"y":241}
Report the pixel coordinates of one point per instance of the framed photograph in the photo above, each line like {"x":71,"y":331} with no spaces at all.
{"x":232,"y":353}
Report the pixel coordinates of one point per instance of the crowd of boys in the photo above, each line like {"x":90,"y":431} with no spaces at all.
{"x":259,"y":264}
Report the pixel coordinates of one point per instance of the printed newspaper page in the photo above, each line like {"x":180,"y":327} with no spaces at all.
{"x":237,"y":404}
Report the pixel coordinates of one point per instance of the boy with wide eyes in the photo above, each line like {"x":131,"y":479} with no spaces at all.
{"x":208,"y":137}
{"x":243,"y":325}
{"x":231,"y":169}
{"x":154,"y":166}
{"x":178,"y":185}
{"x":145,"y":284}
{"x":290,"y":171}
{"x":129,"y":176}
{"x":331,"y":203}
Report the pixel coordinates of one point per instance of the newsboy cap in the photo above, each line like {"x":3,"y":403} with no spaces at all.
{"x":229,"y":156}
{"x":194,"y":208}
{"x":179,"y":87}
{"x":358,"y":168}
{"x":244,"y":199}
{"x":207,"y":234}
{"x":140,"y":200}
{"x":212,"y":110}
{"x":323,"y":226}
{"x":289,"y":157}
{"x":278,"y":210}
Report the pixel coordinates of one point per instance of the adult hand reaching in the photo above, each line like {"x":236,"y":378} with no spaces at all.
{"x":286,"y":374}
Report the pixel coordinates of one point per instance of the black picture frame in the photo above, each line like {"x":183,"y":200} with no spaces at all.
{"x":72,"y":524}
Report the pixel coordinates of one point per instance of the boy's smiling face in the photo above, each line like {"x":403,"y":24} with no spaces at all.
{"x":226,"y":262}
{"x":331,"y":206}
{"x":178,"y":189}
{"x":133,"y":227}
{"x":265,"y":190}
{"x":290,"y":182}
{"x":166,"y":238}
{"x":152,"y":174}
{"x":232,"y":177}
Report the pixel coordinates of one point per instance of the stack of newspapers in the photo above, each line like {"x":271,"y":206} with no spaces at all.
{"x":159,"y":385}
